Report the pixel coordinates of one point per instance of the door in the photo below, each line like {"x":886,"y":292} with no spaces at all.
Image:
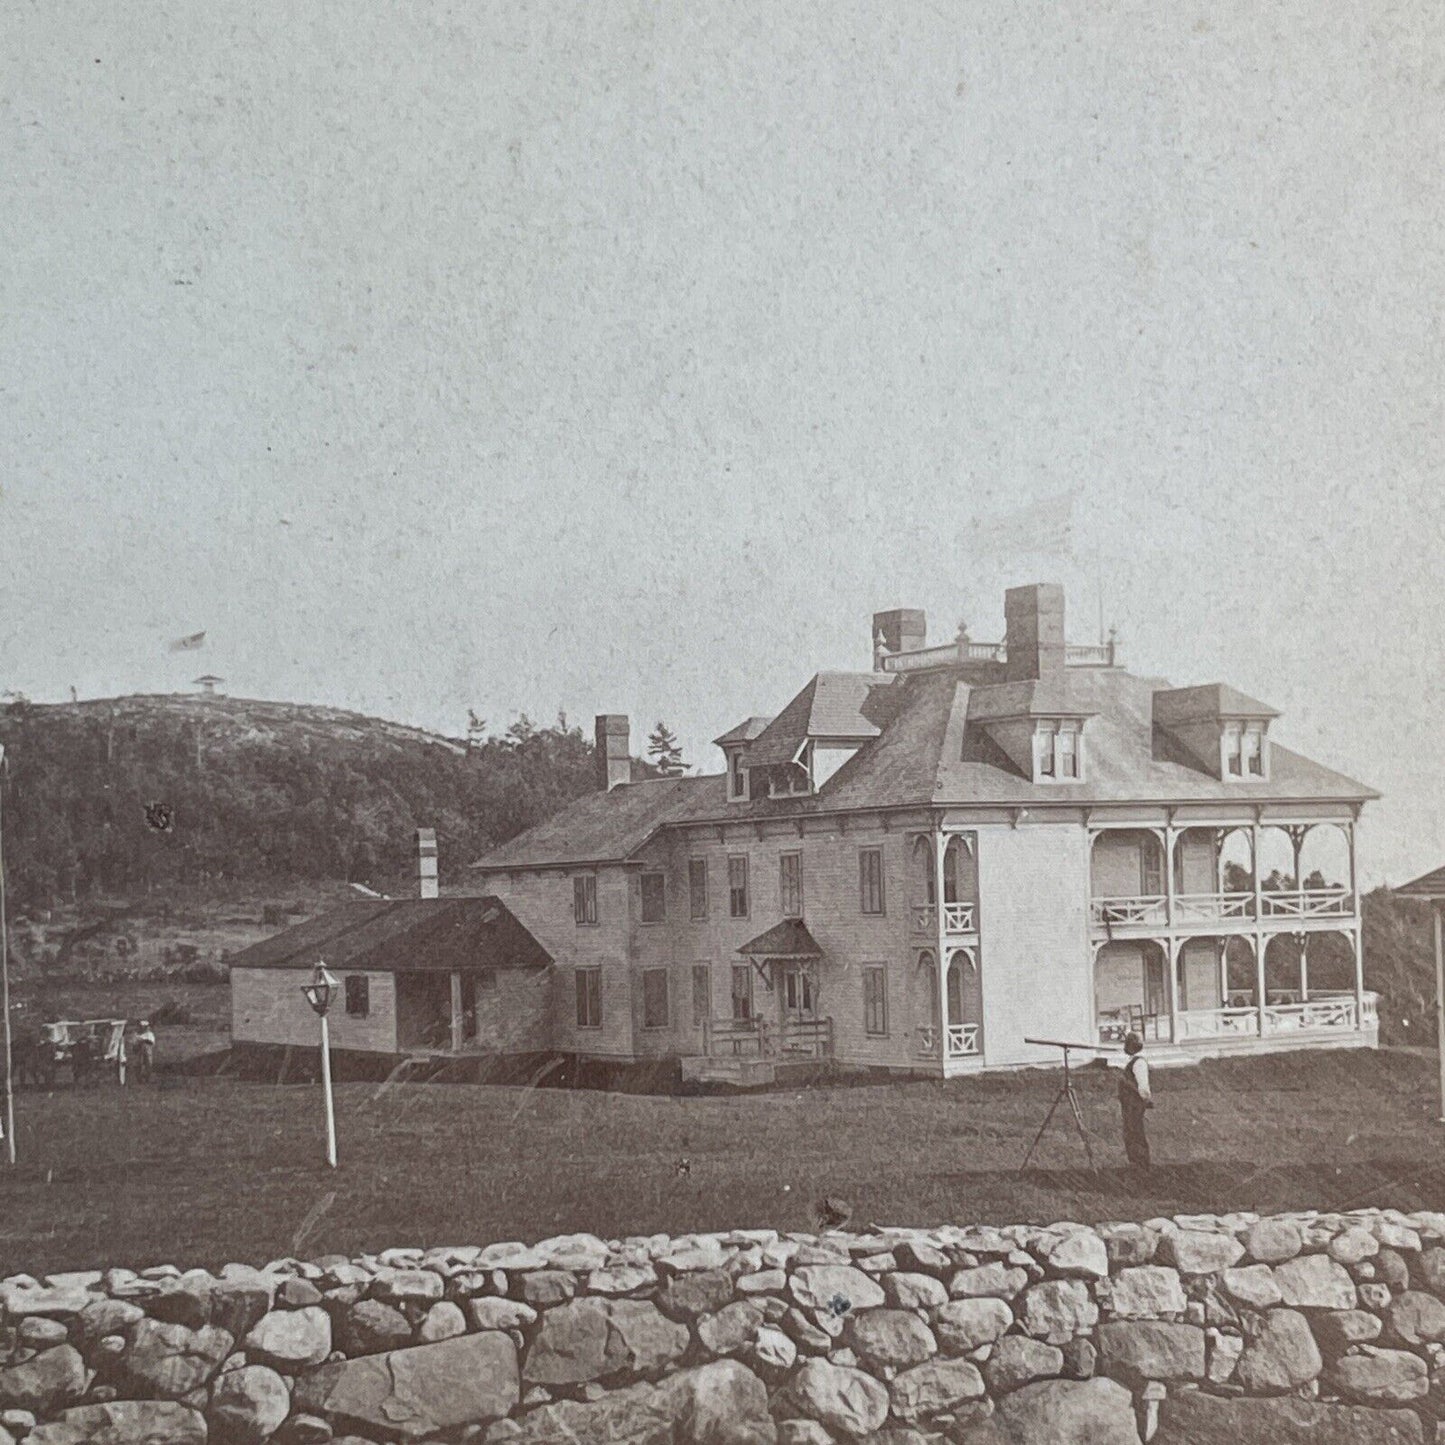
{"x":798,"y":1002}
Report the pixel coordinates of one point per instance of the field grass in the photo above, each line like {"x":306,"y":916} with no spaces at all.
{"x":209,"y":1170}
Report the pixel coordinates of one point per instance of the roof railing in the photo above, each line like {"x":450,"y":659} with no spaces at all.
{"x":951,"y":654}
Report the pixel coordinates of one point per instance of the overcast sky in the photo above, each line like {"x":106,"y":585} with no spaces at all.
{"x":626,"y":357}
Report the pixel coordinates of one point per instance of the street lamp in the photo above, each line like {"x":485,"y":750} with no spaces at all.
{"x":318,"y":994}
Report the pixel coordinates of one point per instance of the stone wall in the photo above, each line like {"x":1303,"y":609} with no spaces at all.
{"x":1326,"y":1328}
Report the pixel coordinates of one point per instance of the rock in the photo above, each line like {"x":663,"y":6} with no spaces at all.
{"x":18,"y":1423}
{"x":47,"y":1382}
{"x":1392,"y":1377}
{"x":1280,"y":1353}
{"x":1315,"y":1281}
{"x":967,"y":1324}
{"x":443,"y":1321}
{"x":803,"y":1432}
{"x":247,"y":1406}
{"x":1391,"y":1267}
{"x":920,"y":1258}
{"x":703,"y":1292}
{"x":1253,"y":1285}
{"x":1082,"y":1255}
{"x":1350,"y":1246}
{"x":1128,"y":1244}
{"x":1336,"y":1330}
{"x":842,"y":1399}
{"x":1374,"y":1296}
{"x":407,"y":1286}
{"x":547,"y":1287}
{"x":369,"y":1327}
{"x":296,"y":1294}
{"x":1427,"y":1270}
{"x":1222,"y":1356}
{"x":804,"y":1333}
{"x":732,"y":1327}
{"x":1149,"y":1291}
{"x":838,"y":1288}
{"x":994,"y":1280}
{"x":1137,"y":1351}
{"x":763,"y":1281}
{"x":934,"y":1388}
{"x":290,"y":1340}
{"x":306,"y":1430}
{"x":906,"y":1291}
{"x":588,"y":1339}
{"x":41,"y":1333}
{"x":182,"y":1302}
{"x":896,"y":1338}
{"x":19,"y":1300}
{"x":1417,"y":1318}
{"x":171,"y":1360}
{"x":1196,"y":1251}
{"x":1193,"y":1418}
{"x":238,"y":1301}
{"x":124,"y":1422}
{"x":1081,"y":1358}
{"x":1061,"y":1412}
{"x":1058,"y":1309}
{"x":1272,"y":1241}
{"x":104,"y":1317}
{"x":1018,"y":1360}
{"x":773,"y":1352}
{"x":500,"y":1314}
{"x":417,"y":1392}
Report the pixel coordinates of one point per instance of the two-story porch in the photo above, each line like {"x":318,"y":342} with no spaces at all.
{"x":1226,"y":938}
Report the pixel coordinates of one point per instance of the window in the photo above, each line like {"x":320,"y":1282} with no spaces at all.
{"x":589,"y":998}
{"x":584,"y":898}
{"x":1253,"y":747}
{"x":737,"y":776}
{"x":697,"y":887}
{"x":870,"y":880}
{"x":1233,"y":751}
{"x":742,"y":992}
{"x":1066,"y":753}
{"x":1058,"y":751}
{"x":701,"y":994}
{"x":1044,"y":750}
{"x":654,"y":998}
{"x":358,"y":996}
{"x":738,"y":886}
{"x":790,"y":884}
{"x":654,"y":897}
{"x":875,"y":999}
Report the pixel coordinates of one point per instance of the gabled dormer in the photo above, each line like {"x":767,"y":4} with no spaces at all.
{"x":734,"y":745}
{"x":1222,"y":731}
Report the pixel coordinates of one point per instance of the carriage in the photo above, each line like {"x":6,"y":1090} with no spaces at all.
{"x":90,"y":1048}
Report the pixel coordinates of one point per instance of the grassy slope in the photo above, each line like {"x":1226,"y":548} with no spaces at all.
{"x":216,"y":1169}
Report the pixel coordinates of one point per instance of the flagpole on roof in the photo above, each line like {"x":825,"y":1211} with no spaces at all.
{"x":5,"y":987}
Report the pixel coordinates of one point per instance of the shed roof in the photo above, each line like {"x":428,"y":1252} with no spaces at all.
{"x":788,"y":939}
{"x":852,"y":705}
{"x":414,"y":935}
{"x":1427,"y":885}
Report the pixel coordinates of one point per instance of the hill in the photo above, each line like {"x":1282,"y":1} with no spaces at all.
{"x":258,"y":793}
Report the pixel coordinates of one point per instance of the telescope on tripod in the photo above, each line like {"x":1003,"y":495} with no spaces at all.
{"x":1067,"y":1095}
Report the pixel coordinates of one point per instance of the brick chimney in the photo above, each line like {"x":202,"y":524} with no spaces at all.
{"x":614,"y":758}
{"x":426,"y":862}
{"x":1034,"y":631}
{"x":903,"y":629}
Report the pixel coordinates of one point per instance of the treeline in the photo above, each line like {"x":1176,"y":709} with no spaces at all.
{"x":122,"y":797}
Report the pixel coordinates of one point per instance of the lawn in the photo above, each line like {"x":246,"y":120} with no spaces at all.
{"x":202,"y":1171}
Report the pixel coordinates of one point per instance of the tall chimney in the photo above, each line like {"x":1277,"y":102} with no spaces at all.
{"x":902,"y":629}
{"x":614,"y":759}
{"x":426,"y":862}
{"x":1034,"y":631}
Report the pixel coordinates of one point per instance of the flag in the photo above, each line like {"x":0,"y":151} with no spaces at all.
{"x":1042,"y":529}
{"x":192,"y":643}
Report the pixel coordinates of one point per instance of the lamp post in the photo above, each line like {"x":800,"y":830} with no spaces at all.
{"x":319,"y":994}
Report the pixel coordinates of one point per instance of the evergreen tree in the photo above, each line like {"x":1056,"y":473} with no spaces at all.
{"x":663,"y":750}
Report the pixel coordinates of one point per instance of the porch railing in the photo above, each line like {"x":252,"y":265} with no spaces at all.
{"x":1331,"y":1012}
{"x":1120,"y":912}
{"x":1311,"y":903}
{"x":957,"y":917}
{"x":1151,"y":909}
{"x":964,"y":1041}
{"x":1212,"y":907}
{"x":766,"y":1038}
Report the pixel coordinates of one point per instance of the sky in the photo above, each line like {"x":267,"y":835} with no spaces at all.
{"x":627,"y":357}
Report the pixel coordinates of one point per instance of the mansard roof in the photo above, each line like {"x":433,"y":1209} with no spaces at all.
{"x":844,"y":706}
{"x":925,"y":748}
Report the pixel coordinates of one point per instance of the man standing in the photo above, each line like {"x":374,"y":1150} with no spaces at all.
{"x":1134,"y":1099}
{"x":145,"y":1052}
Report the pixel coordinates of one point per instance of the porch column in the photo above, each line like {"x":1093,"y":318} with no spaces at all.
{"x":1358,"y":942}
{"x":941,"y":938}
{"x":1174,"y":960}
{"x":1304,"y":968}
{"x":1170,"y":838}
{"x":456,"y":1013}
{"x":1258,"y":978}
{"x":1357,"y":938}
{"x":1259,"y":1004}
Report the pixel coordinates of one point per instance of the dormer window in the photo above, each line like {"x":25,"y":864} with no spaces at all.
{"x":1058,"y":750}
{"x":737,"y":776}
{"x":1242,"y":750}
